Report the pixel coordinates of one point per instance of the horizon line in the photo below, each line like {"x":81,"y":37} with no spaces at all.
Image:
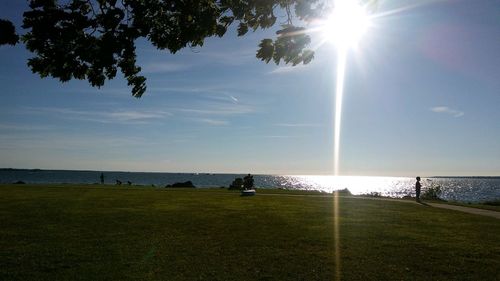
{"x":234,"y":173}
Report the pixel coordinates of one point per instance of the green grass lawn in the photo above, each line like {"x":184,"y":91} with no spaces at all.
{"x":108,"y":233}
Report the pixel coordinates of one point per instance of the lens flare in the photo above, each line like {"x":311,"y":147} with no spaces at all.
{"x":345,"y":27}
{"x":339,"y":93}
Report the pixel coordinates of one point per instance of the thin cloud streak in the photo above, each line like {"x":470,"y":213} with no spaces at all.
{"x":163,"y":67}
{"x":213,"y":122}
{"x":219,"y":110}
{"x":289,"y":69}
{"x":183,"y":89}
{"x":444,"y":109}
{"x":235,"y":100}
{"x":58,"y":141}
{"x":122,"y":116}
{"x":209,"y":93}
{"x":297,"y":125}
{"x":280,"y":137}
{"x":18,"y":127}
{"x":233,"y":58}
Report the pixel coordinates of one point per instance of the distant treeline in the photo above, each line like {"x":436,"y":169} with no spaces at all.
{"x":15,"y":169}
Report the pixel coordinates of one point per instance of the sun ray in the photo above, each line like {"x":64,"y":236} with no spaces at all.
{"x":404,"y":8}
{"x":339,"y":93}
{"x":345,"y":26}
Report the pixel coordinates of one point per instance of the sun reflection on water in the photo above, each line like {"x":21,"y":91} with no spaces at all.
{"x":387,"y":186}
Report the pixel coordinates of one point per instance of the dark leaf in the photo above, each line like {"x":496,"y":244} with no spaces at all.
{"x":8,"y":33}
{"x":242,"y":29}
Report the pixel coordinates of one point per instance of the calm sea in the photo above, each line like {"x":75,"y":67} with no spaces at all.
{"x":468,"y":189}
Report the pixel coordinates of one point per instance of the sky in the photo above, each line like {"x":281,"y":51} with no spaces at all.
{"x":422,"y":97}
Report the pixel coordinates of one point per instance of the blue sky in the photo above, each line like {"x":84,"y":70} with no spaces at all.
{"x":422,"y":97}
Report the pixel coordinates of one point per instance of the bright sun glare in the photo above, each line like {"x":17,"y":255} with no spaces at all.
{"x":344,"y":28}
{"x":347,"y":23}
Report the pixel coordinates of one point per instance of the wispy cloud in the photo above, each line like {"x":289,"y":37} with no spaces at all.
{"x":297,"y":125}
{"x":60,"y":141}
{"x":136,"y":115}
{"x":235,"y":100}
{"x":289,"y":69}
{"x":188,"y":89}
{"x":218,"y":55}
{"x":219,"y":109}
{"x":111,"y":91}
{"x":279,"y":137}
{"x":447,"y":110}
{"x":22,"y":127}
{"x":161,"y":67}
{"x":118,"y":116}
{"x":213,"y":122}
{"x":207,"y":92}
{"x":215,"y":113}
{"x":237,"y":57}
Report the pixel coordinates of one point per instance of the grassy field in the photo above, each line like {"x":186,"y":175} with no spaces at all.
{"x":108,"y":233}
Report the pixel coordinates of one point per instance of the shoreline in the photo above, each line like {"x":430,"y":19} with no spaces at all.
{"x":487,"y":205}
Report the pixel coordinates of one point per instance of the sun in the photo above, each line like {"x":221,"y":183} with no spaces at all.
{"x":344,"y":27}
{"x":347,"y":24}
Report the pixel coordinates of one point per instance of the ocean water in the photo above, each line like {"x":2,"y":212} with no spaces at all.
{"x":465,"y":189}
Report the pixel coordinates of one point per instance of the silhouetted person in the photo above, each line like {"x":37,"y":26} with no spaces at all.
{"x":118,"y":182}
{"x":129,"y":182}
{"x":102,"y":178}
{"x":248,"y":182}
{"x":417,"y":189}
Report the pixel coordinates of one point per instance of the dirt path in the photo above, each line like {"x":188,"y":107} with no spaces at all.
{"x":475,"y":211}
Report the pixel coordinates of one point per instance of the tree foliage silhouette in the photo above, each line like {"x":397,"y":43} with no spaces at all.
{"x":91,"y":39}
{"x":8,"y":33}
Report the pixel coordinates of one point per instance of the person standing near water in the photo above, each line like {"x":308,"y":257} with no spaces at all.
{"x":417,"y":189}
{"x":102,"y":178}
{"x":248,"y":182}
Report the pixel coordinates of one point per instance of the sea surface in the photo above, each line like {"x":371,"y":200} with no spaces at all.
{"x":464,"y":189}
